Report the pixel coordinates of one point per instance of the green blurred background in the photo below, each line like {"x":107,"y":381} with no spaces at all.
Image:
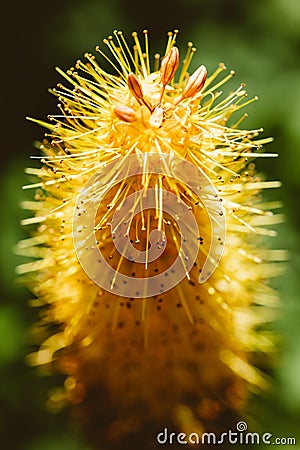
{"x":261,"y":40}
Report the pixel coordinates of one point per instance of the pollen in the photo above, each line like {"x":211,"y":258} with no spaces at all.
{"x":184,"y":357}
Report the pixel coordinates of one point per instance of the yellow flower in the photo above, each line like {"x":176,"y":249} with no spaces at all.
{"x":182,"y":357}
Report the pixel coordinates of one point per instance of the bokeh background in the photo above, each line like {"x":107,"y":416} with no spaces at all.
{"x":258,"y":38}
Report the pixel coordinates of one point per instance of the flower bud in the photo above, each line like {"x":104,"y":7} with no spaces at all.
{"x":135,"y":87}
{"x":125,"y":113}
{"x":169,"y":65}
{"x":195,"y":83}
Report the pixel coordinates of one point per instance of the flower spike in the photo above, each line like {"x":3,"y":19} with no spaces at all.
{"x":146,"y":247}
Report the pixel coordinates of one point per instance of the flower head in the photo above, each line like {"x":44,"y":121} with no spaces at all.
{"x":182,"y":356}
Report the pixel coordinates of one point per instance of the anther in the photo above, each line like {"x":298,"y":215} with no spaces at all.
{"x":156,"y":62}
